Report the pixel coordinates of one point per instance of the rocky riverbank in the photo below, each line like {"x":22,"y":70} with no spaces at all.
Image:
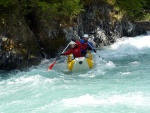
{"x":26,"y":39}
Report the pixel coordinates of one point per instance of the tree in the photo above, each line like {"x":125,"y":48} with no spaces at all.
{"x":133,"y":8}
{"x":6,"y":3}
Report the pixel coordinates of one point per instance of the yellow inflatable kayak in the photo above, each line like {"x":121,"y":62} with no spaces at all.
{"x":80,"y":63}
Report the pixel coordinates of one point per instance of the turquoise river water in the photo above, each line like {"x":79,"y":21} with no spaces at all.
{"x":118,"y":83}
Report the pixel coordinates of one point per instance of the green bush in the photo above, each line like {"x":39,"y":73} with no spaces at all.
{"x":67,"y":10}
{"x":6,"y":3}
{"x":133,"y":8}
{"x":61,"y":9}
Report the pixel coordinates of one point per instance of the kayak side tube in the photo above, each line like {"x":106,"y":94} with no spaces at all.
{"x":87,"y":62}
{"x":89,"y":59}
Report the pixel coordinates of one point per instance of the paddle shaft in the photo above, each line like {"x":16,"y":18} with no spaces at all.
{"x":95,"y":52}
{"x":52,"y":65}
{"x":62,"y":52}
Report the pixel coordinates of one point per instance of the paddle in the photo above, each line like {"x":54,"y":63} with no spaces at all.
{"x":94,"y":51}
{"x":52,"y":65}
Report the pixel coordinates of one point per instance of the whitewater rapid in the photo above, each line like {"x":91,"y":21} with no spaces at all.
{"x":118,"y":83}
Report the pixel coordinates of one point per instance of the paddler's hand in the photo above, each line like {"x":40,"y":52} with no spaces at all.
{"x":94,"y":50}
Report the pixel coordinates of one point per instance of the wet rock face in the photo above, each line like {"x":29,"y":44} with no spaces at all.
{"x":104,"y":24}
{"x":14,"y":55}
{"x":132,"y":29}
{"x":25,"y":40}
{"x":21,"y":46}
{"x":144,"y":25}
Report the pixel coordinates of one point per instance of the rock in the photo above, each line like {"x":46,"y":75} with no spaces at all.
{"x":26,"y":39}
{"x":103,"y":23}
{"x":143,"y":24}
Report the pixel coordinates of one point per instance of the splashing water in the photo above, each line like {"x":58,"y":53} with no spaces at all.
{"x":118,"y":84}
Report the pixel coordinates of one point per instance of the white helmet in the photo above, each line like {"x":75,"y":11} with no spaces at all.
{"x":72,"y":42}
{"x":86,"y":36}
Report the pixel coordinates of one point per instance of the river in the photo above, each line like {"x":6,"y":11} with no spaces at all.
{"x":118,"y":83}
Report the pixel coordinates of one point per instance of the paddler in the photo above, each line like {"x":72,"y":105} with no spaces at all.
{"x":75,"y":50}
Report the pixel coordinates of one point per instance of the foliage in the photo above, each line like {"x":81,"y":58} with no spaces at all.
{"x":85,"y":2}
{"x":64,"y":9}
{"x":133,"y":8}
{"x":6,"y":3}
{"x":147,"y":4}
{"x":67,"y":10}
{"x":111,"y":2}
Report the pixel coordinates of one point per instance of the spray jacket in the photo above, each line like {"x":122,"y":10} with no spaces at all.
{"x":75,"y":51}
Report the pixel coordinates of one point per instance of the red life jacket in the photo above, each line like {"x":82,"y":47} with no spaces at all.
{"x":75,"y":51}
{"x":83,"y":46}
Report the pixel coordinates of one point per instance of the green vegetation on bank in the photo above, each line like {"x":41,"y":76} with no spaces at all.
{"x":59,"y":10}
{"x":135,"y":9}
{"x":6,"y":3}
{"x":67,"y":10}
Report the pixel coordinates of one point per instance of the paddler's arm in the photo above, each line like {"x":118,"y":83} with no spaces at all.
{"x":67,"y":52}
{"x":90,"y":44}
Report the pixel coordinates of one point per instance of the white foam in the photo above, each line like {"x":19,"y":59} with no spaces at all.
{"x":141,"y":42}
{"x":138,"y":42}
{"x":125,"y":73}
{"x":135,"y":63}
{"x":110,"y":64}
{"x":132,"y":99}
{"x":80,"y":101}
